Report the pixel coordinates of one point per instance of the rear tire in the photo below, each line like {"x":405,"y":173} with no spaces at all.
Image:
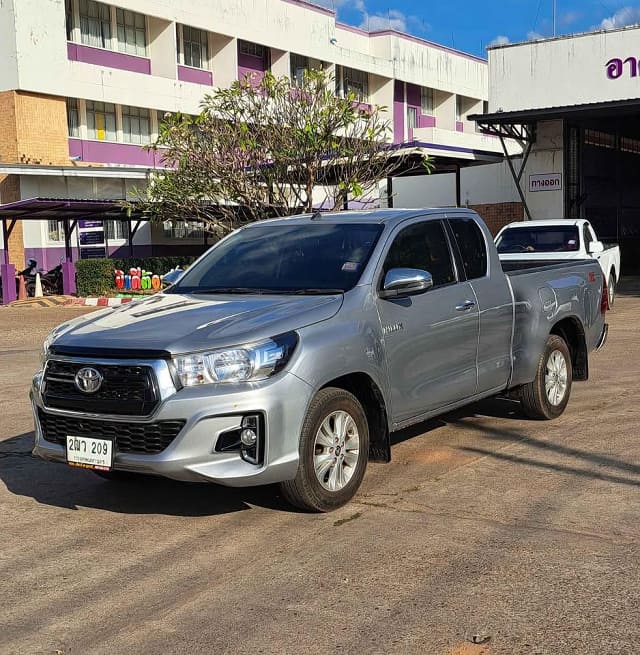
{"x":611,"y":288}
{"x":334,"y":448}
{"x":547,"y":396}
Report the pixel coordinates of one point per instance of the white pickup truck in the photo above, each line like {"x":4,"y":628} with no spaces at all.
{"x":555,"y":240}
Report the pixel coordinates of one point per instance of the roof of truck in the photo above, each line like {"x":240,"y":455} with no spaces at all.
{"x":366,"y":216}
{"x":551,"y":222}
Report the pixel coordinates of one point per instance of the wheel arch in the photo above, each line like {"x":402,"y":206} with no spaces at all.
{"x":368,"y":393}
{"x":571,"y":330}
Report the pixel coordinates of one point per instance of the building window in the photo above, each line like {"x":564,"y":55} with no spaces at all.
{"x":599,"y":139}
{"x":426,"y":101}
{"x":55,"y":230}
{"x":353,"y":81}
{"x":193,"y":47}
{"x":95,"y":24}
{"x":251,"y":49}
{"x":68,"y":12}
{"x":459,"y":108}
{"x":132,"y":32}
{"x":101,"y":121}
{"x":115,"y":230}
{"x":412,"y":118}
{"x":299,"y":65}
{"x":73,"y":118}
{"x":135,"y":125}
{"x":183,"y":230}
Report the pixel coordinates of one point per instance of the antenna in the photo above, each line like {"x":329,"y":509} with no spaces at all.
{"x":554,"y":16}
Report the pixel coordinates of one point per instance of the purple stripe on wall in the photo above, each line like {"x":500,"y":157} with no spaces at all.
{"x":251,"y":62}
{"x":100,"y":57}
{"x":49,"y":258}
{"x":104,"y":152}
{"x":256,"y":75}
{"x":426,"y":121}
{"x":398,"y":112}
{"x":195,"y":75}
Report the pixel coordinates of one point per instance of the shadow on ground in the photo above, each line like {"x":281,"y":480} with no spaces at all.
{"x":63,"y":486}
{"x":629,"y":286}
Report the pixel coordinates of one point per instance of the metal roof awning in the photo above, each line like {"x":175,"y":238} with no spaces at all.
{"x":520,"y":125}
{"x":128,"y":172}
{"x":37,"y":209}
{"x":68,"y":211}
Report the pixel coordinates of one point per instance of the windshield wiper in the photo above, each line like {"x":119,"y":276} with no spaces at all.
{"x":315,"y":292}
{"x":230,"y":290}
{"x":275,"y":292}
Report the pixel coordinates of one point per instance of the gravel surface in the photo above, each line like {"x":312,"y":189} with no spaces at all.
{"x":486,"y":527}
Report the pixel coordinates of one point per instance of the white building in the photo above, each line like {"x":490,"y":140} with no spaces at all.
{"x":576,"y":102}
{"x":83,"y":83}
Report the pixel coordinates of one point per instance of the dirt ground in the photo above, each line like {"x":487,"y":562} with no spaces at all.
{"x":486,"y":527}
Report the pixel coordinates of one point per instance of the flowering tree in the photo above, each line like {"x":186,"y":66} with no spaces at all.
{"x":273,"y":147}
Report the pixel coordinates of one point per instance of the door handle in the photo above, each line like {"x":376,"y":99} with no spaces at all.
{"x":465,"y":306}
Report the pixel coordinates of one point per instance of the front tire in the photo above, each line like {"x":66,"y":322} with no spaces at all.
{"x":547,"y":396}
{"x":334,"y":447}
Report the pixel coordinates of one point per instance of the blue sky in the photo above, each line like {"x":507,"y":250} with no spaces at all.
{"x":471,"y":25}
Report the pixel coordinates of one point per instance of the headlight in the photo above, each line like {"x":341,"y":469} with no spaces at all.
{"x":243,"y":364}
{"x":45,"y":349}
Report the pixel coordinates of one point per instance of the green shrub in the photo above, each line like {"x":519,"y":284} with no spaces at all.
{"x":96,"y":277}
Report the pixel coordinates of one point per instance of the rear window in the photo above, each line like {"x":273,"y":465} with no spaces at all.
{"x":471,"y":245}
{"x":538,"y":239}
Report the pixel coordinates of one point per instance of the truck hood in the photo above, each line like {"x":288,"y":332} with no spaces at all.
{"x":173,"y":323}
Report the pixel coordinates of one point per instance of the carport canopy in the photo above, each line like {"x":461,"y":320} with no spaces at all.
{"x":68,"y":212}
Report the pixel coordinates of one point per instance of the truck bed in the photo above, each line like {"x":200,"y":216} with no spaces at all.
{"x":514,"y":266}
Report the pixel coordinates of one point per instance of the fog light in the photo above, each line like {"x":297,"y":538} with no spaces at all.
{"x":248,"y":437}
{"x":251,"y":439}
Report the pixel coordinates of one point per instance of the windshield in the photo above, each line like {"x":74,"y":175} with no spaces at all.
{"x":538,"y":239}
{"x":307,"y":258}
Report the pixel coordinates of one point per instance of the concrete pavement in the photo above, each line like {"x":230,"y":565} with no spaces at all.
{"x":524,"y":535}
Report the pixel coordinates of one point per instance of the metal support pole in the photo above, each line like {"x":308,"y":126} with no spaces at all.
{"x":458,"y":187}
{"x":5,"y":241}
{"x":389,"y":192}
{"x":516,"y":178}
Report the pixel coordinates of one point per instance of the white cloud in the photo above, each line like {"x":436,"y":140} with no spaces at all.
{"x":393,"y":20}
{"x":622,"y":18}
{"x":500,"y":40}
{"x":534,"y":36}
{"x":570,"y":17}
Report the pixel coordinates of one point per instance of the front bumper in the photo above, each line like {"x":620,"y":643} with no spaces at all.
{"x":209,"y":411}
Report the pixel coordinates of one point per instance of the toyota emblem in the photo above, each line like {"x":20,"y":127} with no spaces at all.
{"x":88,"y":380}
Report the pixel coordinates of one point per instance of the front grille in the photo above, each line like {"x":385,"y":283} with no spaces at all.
{"x":125,"y":390}
{"x":143,"y":438}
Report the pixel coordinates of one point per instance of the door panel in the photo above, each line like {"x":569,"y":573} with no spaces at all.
{"x":495,"y":304}
{"x":430,"y":339}
{"x":431,"y":349}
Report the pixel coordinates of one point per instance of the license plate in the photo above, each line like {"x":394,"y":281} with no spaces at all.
{"x":90,"y":453}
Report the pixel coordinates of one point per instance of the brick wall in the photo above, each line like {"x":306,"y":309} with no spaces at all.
{"x":41,"y":130}
{"x":498,"y":215}
{"x":10,"y":192}
{"x":33,"y":130}
{"x":8,"y":139}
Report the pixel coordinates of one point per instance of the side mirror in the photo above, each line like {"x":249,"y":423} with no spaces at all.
{"x":402,"y":282}
{"x":596,"y":247}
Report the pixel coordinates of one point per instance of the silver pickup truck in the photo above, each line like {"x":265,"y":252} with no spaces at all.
{"x":292,"y":349}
